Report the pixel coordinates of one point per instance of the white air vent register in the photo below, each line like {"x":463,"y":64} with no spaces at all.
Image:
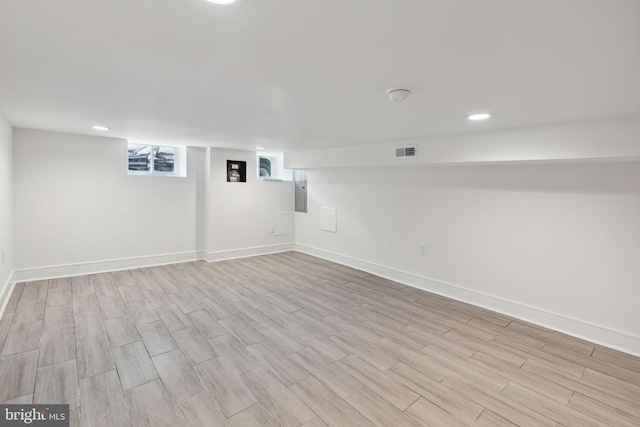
{"x":409,"y":151}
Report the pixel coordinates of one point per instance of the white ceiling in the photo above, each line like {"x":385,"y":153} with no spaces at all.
{"x":297,"y":74}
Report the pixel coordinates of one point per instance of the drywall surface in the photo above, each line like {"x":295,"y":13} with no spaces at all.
{"x":241,"y":213}
{"x":75,"y":204}
{"x":556,"y":244}
{"x":200,"y":171}
{"x":608,"y":139}
{"x":6,"y":203}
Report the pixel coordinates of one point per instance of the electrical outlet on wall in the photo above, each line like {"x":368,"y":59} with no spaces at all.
{"x":3,"y":255}
{"x":423,"y":249}
{"x":272,"y":228}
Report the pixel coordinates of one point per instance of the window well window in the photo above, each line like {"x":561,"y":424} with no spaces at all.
{"x":264,"y":167}
{"x":157,"y":160}
{"x":271,"y":167}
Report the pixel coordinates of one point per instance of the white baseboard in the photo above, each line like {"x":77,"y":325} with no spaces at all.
{"x":578,"y":328}
{"x":5,"y":293}
{"x":93,"y":267}
{"x":247,"y":252}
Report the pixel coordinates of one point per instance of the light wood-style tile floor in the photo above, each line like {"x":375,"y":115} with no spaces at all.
{"x":290,"y":340}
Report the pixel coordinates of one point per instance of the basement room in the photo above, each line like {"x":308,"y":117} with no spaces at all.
{"x":285,"y":213}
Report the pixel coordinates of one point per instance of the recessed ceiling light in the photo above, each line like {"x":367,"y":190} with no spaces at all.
{"x":481,"y":116}
{"x":259,"y":148}
{"x":221,"y":1}
{"x":102,"y":128}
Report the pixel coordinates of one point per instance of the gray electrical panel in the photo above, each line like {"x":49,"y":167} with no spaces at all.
{"x":300,"y":195}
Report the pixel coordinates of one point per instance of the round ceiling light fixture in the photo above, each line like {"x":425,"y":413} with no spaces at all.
{"x":397,"y":94}
{"x":221,"y":1}
{"x":480,"y":116}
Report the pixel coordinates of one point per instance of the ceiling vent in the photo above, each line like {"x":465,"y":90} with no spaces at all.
{"x":409,"y":151}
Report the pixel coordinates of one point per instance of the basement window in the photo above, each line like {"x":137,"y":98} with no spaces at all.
{"x":157,"y":160}
{"x":264,"y":167}
{"x":271,"y":167}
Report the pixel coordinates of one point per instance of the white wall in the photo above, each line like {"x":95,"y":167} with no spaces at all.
{"x":200,"y":170}
{"x":76,"y":209}
{"x":6,"y":208}
{"x":556,"y":244}
{"x":605,"y":139}
{"x":241,"y":214}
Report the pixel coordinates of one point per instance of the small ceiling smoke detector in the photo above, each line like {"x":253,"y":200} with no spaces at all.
{"x":397,"y":94}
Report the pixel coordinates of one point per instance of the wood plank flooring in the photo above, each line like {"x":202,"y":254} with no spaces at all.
{"x":292,"y":340}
